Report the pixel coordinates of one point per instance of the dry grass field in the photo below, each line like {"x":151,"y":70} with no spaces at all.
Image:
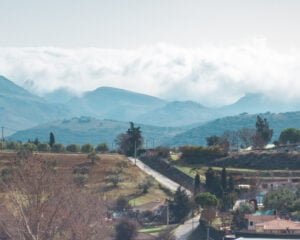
{"x":96,"y":180}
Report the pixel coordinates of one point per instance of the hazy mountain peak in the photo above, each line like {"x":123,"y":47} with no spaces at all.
{"x":123,"y":94}
{"x":8,"y":87}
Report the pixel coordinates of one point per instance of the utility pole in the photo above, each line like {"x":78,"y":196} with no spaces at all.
{"x":2,"y":137}
{"x":134,"y":152}
{"x":168,"y":212}
{"x":207,"y":233}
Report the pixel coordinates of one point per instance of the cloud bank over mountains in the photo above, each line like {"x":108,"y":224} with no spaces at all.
{"x":211,"y":75}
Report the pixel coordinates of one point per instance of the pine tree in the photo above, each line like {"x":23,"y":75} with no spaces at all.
{"x":224,"y":179}
{"x":197,"y":183}
{"x":180,"y":206}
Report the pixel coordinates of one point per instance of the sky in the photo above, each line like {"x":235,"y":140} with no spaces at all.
{"x":212,"y":52}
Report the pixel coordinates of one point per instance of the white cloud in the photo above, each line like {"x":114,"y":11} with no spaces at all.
{"x":209,"y":75}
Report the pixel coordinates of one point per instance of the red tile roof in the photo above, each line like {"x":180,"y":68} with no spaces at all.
{"x":279,"y":224}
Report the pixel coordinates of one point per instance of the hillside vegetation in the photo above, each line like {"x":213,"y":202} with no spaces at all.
{"x":198,"y":135}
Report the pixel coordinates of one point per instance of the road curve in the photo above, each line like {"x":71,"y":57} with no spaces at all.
{"x":183,"y":230}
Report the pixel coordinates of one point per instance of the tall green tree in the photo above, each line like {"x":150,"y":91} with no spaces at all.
{"x":197,"y":183}
{"x":224,"y":179}
{"x":210,"y":177}
{"x":180,"y":206}
{"x":263,"y":133}
{"x":213,"y":182}
{"x":51,"y":139}
{"x":230,"y":184}
{"x":130,"y":141}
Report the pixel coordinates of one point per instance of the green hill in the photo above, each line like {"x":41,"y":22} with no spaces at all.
{"x":198,"y":135}
{"x":90,"y":130}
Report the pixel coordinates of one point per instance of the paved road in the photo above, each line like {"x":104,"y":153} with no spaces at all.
{"x":159,"y":177}
{"x":183,"y":230}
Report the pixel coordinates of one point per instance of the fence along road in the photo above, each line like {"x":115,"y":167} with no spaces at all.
{"x":158,"y":176}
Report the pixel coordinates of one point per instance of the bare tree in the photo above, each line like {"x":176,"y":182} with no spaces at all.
{"x":44,"y":205}
{"x":246,"y":136}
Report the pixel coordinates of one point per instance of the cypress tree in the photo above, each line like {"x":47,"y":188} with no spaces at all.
{"x":197,"y":182}
{"x":51,"y":139}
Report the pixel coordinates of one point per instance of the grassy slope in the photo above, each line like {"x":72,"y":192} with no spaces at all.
{"x":96,"y":180}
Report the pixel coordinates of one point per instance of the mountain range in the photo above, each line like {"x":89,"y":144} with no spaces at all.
{"x":108,"y":110}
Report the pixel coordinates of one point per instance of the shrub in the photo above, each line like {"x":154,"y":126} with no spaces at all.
{"x":43,"y":147}
{"x":58,"y":148}
{"x":73,"y":148}
{"x":13,"y":145}
{"x":102,"y":147}
{"x":192,"y":154}
{"x":80,"y":179}
{"x":146,"y":184}
{"x":81,"y":170}
{"x":29,"y":146}
{"x":125,"y":230}
{"x":87,"y":148}
{"x":122,"y":204}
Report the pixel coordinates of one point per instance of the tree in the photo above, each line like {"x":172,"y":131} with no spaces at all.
{"x":206,"y":200}
{"x":289,"y":135}
{"x":224,"y":179}
{"x":230,"y":184}
{"x":146,"y":184}
{"x":130,"y":141}
{"x":246,"y":136}
{"x":210,"y":177}
{"x":122,"y":204}
{"x":197,"y":183}
{"x":230,"y":139}
{"x":29,"y":146}
{"x":125,"y":230}
{"x":216,"y":141}
{"x":43,"y":204}
{"x":58,"y":148}
{"x":73,"y":148}
{"x":180,"y":206}
{"x":239,"y":220}
{"x":281,"y":199}
{"x":114,"y":178}
{"x":87,"y":148}
{"x":209,"y":203}
{"x":102,"y":147}
{"x":51,"y":139}
{"x":43,"y":147}
{"x":213,"y":140}
{"x":213,"y":182}
{"x":263,"y":133}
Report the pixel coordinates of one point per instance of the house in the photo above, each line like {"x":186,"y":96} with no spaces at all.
{"x":260,"y":217}
{"x":276,"y":183}
{"x":278,"y":226}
